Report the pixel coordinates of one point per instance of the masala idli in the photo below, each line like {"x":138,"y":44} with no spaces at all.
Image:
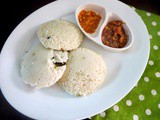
{"x":60,"y":35}
{"x":41,"y":67}
{"x":84,"y":74}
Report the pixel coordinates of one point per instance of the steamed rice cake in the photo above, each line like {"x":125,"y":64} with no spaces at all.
{"x":84,"y":74}
{"x":60,"y":35}
{"x":39,"y":66}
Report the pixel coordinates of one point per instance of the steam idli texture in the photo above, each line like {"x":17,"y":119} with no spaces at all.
{"x":84,"y":74}
{"x":41,"y":67}
{"x":60,"y":35}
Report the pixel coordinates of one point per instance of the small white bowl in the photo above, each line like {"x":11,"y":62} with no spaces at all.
{"x":106,"y":17}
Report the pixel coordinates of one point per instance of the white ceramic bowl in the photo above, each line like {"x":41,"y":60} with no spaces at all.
{"x":106,"y":17}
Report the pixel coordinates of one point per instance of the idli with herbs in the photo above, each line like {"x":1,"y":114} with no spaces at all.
{"x":84,"y":74}
{"x":41,"y":67}
{"x":60,"y":35}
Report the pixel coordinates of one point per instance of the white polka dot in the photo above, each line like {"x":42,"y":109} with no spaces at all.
{"x":102,"y":114}
{"x":150,"y":36}
{"x":129,"y":103}
{"x":154,"y":92}
{"x":151,"y":62}
{"x":146,"y":79}
{"x":141,"y":97}
{"x":155,"y":47}
{"x":148,"y":112}
{"x":116,"y":108}
{"x":157,"y":74}
{"x":135,"y":117}
{"x":154,"y":23}
{"x":159,"y":105}
{"x":158,"y":33}
{"x":133,"y":8}
{"x":148,"y":14}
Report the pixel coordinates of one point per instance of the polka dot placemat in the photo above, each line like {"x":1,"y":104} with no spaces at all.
{"x":143,"y":102}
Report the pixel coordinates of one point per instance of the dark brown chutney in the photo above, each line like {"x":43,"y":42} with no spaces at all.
{"x":114,"y":35}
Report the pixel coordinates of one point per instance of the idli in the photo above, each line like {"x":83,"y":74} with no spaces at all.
{"x":84,"y":74}
{"x":60,"y":35}
{"x":41,"y":67}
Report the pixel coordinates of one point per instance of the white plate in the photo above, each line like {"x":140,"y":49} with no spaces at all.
{"x":123,"y":69}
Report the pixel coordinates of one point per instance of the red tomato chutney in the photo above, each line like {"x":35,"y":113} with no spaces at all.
{"x":114,"y":35}
{"x":89,"y":21}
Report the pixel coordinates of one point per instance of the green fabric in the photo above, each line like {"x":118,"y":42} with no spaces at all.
{"x":143,"y":102}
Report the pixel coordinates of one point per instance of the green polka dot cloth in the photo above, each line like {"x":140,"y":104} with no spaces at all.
{"x":143,"y":102}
